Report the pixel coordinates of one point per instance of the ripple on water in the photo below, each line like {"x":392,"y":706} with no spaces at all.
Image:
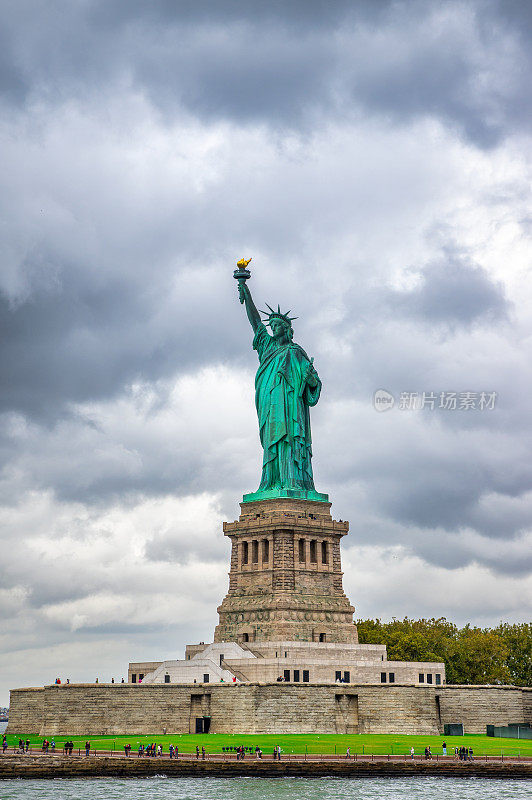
{"x":161,"y":788}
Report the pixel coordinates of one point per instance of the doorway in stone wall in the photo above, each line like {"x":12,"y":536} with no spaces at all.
{"x":346,"y":713}
{"x":200,"y":713}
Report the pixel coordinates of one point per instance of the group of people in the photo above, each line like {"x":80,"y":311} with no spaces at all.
{"x":428,"y":751}
{"x":241,"y":751}
{"x":464,"y":753}
{"x":150,"y":750}
{"x":24,"y":745}
{"x":203,"y":753}
{"x":68,"y":747}
{"x":46,"y":745}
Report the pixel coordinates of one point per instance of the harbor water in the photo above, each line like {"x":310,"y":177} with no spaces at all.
{"x":160,"y":788}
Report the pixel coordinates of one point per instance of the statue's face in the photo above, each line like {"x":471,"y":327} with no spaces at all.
{"x":279,"y":330}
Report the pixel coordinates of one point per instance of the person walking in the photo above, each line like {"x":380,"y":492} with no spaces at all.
{"x":87,"y":748}
{"x":412,"y":753}
{"x":348,"y":752}
{"x":203,"y":753}
{"x":197,"y":751}
{"x":444,"y":749}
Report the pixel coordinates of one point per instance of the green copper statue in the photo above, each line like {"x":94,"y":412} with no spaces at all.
{"x":286,"y":386}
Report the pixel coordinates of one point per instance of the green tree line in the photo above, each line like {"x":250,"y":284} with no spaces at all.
{"x":470,"y":654}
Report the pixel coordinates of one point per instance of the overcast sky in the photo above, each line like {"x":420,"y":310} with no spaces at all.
{"x":374,"y":159}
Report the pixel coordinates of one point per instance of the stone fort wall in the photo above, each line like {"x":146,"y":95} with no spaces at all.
{"x":261,"y":708}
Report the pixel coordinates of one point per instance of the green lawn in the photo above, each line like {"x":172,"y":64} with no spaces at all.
{"x":301,"y":743}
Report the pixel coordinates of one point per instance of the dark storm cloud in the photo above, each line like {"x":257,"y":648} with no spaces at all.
{"x":453,"y":291}
{"x":282,"y":64}
{"x":13,"y":87}
{"x":86,"y":340}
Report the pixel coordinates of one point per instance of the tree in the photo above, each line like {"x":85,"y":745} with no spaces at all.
{"x":470,"y":654}
{"x":478,"y":657}
{"x":518,"y":640}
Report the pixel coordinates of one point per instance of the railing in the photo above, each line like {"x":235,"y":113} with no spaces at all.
{"x":79,"y":752}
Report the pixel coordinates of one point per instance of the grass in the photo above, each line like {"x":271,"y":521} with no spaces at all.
{"x":300,"y":743}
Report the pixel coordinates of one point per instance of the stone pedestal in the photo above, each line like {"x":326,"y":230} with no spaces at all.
{"x":285,"y":582}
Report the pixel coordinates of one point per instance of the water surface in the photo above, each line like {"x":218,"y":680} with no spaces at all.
{"x":160,"y":788}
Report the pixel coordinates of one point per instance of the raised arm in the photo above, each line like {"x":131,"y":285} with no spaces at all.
{"x":251,"y":310}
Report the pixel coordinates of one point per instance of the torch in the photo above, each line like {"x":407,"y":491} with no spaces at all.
{"x":242,"y":273}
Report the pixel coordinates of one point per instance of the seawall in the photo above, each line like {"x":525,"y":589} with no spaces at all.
{"x":78,"y":767}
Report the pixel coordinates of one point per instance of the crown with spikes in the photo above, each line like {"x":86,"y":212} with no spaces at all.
{"x":277,"y":315}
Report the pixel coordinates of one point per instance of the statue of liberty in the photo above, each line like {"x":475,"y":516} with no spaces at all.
{"x":286,"y":386}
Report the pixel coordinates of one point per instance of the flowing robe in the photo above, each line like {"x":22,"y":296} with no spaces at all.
{"x":283,"y":398}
